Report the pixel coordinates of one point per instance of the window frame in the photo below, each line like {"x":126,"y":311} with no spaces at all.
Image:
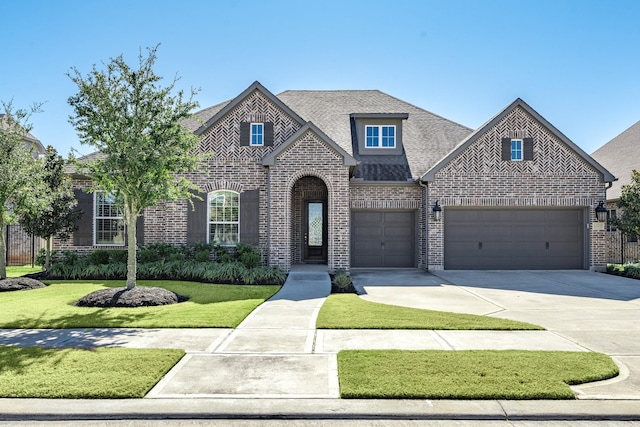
{"x":516,"y":150}
{"x":380,"y":136}
{"x":97,"y":218}
{"x":253,"y":134}
{"x":210,"y":197}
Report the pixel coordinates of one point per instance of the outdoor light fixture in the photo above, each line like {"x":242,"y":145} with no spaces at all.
{"x":601,"y":212}
{"x":437,"y":212}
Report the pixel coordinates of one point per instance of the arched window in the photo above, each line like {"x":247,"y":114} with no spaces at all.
{"x":224,"y":217}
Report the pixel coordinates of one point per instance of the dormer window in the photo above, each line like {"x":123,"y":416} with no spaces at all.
{"x":257,"y":134}
{"x":383,"y":136}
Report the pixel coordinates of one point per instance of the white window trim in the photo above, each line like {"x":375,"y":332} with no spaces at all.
{"x":521,"y":150}
{"x":251,"y":134}
{"x":95,"y":223}
{"x":209,"y":196}
{"x":395,"y":136}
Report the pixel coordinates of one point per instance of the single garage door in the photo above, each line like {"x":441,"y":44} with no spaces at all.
{"x":514,"y":239}
{"x":383,"y":239}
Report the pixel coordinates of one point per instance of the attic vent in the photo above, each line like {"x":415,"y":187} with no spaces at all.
{"x":517,"y":134}
{"x":256,"y":118}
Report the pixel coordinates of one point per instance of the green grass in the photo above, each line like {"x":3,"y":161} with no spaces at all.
{"x":348,"y":311}
{"x":21,"y":270}
{"x":34,"y":372}
{"x":212,"y":306}
{"x":441,"y":374}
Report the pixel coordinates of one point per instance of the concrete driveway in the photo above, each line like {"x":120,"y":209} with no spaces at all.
{"x":596,"y":311}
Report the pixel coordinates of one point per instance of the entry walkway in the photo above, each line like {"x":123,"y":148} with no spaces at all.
{"x":269,"y":355}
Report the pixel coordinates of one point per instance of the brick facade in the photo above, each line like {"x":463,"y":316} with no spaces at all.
{"x":478,"y":177}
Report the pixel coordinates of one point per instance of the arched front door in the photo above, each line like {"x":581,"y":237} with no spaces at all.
{"x":310,"y":220}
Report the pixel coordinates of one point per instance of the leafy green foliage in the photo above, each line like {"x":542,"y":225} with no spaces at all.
{"x":136,"y":125}
{"x":22,"y":188}
{"x":165,"y":261}
{"x":100,"y":373}
{"x":443,"y":374}
{"x":631,"y":270}
{"x":629,"y":218}
{"x":60,"y":216}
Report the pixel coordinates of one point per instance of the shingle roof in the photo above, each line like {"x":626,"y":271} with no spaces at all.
{"x":620,"y":155}
{"x":426,"y":137}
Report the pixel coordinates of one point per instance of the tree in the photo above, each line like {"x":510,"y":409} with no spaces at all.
{"x":629,"y":220}
{"x":136,"y":125}
{"x":59,"y":217}
{"x":21,"y":187}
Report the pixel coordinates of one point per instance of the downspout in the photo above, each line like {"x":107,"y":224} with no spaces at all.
{"x":425,"y":250}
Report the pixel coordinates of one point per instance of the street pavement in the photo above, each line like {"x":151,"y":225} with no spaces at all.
{"x":277,"y":365}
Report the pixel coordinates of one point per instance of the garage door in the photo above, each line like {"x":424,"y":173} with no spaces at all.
{"x":514,"y":239}
{"x":383,"y":239}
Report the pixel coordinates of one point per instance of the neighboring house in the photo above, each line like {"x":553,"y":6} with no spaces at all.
{"x":351,"y":178}
{"x":21,"y":246}
{"x":621,"y":156}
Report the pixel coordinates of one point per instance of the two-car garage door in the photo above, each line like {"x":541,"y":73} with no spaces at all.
{"x":477,"y":239}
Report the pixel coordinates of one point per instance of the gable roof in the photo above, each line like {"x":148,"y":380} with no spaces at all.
{"x":430,"y":174}
{"x":621,"y":155}
{"x":347,"y":159}
{"x":220,"y":110}
{"x":426,"y":137}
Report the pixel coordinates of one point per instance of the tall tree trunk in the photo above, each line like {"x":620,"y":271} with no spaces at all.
{"x":132,"y":244}
{"x":47,"y":256}
{"x":3,"y":250}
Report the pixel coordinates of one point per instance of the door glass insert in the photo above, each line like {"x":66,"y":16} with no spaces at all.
{"x":315,"y":224}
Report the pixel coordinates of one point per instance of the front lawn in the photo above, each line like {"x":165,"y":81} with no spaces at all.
{"x":348,"y":311}
{"x":442,"y":374}
{"x":21,"y":270}
{"x":209,"y":306}
{"x":99,"y":373}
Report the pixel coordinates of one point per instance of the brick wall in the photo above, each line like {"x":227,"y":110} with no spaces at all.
{"x":557,"y":177}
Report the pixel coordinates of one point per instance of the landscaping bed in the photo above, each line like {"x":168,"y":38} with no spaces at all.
{"x":631,"y":270}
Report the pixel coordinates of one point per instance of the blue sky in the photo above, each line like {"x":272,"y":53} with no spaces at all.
{"x":576,"y":62}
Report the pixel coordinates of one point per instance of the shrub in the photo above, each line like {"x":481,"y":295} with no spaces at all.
{"x":632,"y":270}
{"x":100,"y":256}
{"x":342,"y":280}
{"x":202,"y":255}
{"x":119,"y":256}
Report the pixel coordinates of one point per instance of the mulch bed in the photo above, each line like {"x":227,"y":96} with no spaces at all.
{"x":140,"y":296}
{"x":20,"y":284}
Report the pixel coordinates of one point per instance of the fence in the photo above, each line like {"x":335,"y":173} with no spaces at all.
{"x":22,"y":247}
{"x":622,"y":248}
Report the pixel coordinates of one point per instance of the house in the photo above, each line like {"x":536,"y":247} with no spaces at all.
{"x":358,"y":178}
{"x":621,"y":156}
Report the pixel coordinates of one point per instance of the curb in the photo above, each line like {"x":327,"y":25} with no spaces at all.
{"x":316,"y":409}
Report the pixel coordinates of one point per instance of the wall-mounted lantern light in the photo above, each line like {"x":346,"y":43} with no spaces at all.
{"x":601,"y":212}
{"x":437,"y":212}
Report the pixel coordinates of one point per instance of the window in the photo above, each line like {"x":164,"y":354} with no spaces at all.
{"x":108,"y":220}
{"x":257,"y":134}
{"x":224,"y":217}
{"x":380,"y":136}
{"x":516,"y":149}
